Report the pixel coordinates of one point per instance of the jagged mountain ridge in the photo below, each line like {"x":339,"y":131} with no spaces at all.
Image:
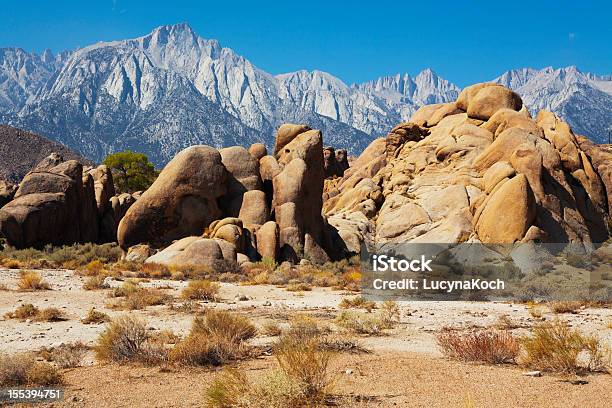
{"x":171,"y":88}
{"x":582,"y":99}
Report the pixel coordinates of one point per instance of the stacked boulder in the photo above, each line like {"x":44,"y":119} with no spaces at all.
{"x":335,"y":162}
{"x":236,"y":204}
{"x":480,"y":169}
{"x":58,"y":203}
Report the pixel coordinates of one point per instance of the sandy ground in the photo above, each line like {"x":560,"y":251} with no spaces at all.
{"x":403,"y":369}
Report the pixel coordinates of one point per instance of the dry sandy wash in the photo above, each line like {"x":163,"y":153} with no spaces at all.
{"x":402,"y":368}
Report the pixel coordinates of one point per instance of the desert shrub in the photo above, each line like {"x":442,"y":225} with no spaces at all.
{"x":142,"y":298}
{"x":128,"y":287}
{"x":74,"y":256}
{"x":271,"y":329}
{"x":304,"y":363}
{"x":299,"y":287}
{"x":226,"y":324}
{"x":95,"y":282}
{"x":23,"y":369}
{"x":30,"y":280}
{"x":95,"y":317}
{"x":215,"y":339}
{"x":51,"y":314}
{"x":577,"y":260}
{"x":126,"y":339}
{"x":201,"y":290}
{"x":190,"y":271}
{"x":199,"y":349}
{"x":351,"y":280}
{"x":93,"y":268}
{"x":68,"y":355}
{"x":25,"y":311}
{"x":29,"y":311}
{"x":558,"y":348}
{"x":11,"y":263}
{"x":267,"y":263}
{"x":369,"y":323}
{"x":155,"y":270}
{"x":231,"y":388}
{"x":358,"y":302}
{"x":566,"y":306}
{"x":486,"y":346}
{"x":123,"y":265}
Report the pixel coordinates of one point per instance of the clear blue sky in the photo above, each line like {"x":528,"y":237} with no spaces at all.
{"x":464,"y":41}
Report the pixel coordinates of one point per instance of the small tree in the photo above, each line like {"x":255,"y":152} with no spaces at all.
{"x":131,"y":171}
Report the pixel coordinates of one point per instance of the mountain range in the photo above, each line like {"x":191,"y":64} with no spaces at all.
{"x":171,"y":88}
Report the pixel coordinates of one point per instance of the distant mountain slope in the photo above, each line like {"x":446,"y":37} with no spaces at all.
{"x":20,"y":151}
{"x":583,"y":100}
{"x":171,"y":88}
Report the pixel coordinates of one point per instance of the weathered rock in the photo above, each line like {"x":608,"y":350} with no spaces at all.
{"x":330,"y":164}
{"x":258,"y":150}
{"x":496,"y":173}
{"x":181,"y":202}
{"x":286,"y":133}
{"x":424,"y":113}
{"x":402,"y":133}
{"x":267,"y":240}
{"x":104,"y":187}
{"x":488,"y":100}
{"x":254,"y":208}
{"x":342,"y":160}
{"x":509,"y":213}
{"x":7,"y":192}
{"x":51,"y":206}
{"x":138,"y":253}
{"x":243,"y":176}
{"x":189,"y":251}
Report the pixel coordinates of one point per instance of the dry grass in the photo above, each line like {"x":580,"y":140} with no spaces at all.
{"x":29,"y":311}
{"x":93,"y":268}
{"x":68,"y":257}
{"x":201,"y":290}
{"x":215,"y":339}
{"x":566,"y":307}
{"x":299,"y":287}
{"x":224,"y":323}
{"x":358,"y":302}
{"x":485,"y":346}
{"x":95,"y":317}
{"x":302,"y":379}
{"x":66,"y":355}
{"x":370,"y":323}
{"x":558,"y":348}
{"x":154,"y":270}
{"x":95,"y":283}
{"x":136,"y":297}
{"x":126,"y":339}
{"x":271,"y":329}
{"x":24,"y":370}
{"x":30,"y":280}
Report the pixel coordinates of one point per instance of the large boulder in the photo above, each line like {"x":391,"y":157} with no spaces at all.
{"x":488,"y":100}
{"x":104,"y":187}
{"x":193,"y":250}
{"x":297,"y":198}
{"x":243,"y":176}
{"x":508,"y":214}
{"x":7,"y":192}
{"x":286,"y":133}
{"x":51,"y":206}
{"x":181,"y":202}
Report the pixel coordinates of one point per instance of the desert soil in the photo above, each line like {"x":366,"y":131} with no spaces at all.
{"x":403,"y":368}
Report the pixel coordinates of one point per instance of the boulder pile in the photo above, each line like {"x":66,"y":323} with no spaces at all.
{"x":480,"y":169}
{"x":237,"y":204}
{"x":60,"y":203}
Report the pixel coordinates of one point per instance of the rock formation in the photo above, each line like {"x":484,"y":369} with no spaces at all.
{"x":58,"y":203}
{"x":477,"y":170}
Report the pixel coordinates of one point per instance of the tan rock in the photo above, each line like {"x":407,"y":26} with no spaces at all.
{"x":496,"y":173}
{"x":181,"y":202}
{"x":490,"y":99}
{"x":258,"y":150}
{"x":508,"y":214}
{"x":267,"y":240}
{"x":286,"y":133}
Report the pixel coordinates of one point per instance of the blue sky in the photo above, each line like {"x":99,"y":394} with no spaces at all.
{"x":463,"y":41}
